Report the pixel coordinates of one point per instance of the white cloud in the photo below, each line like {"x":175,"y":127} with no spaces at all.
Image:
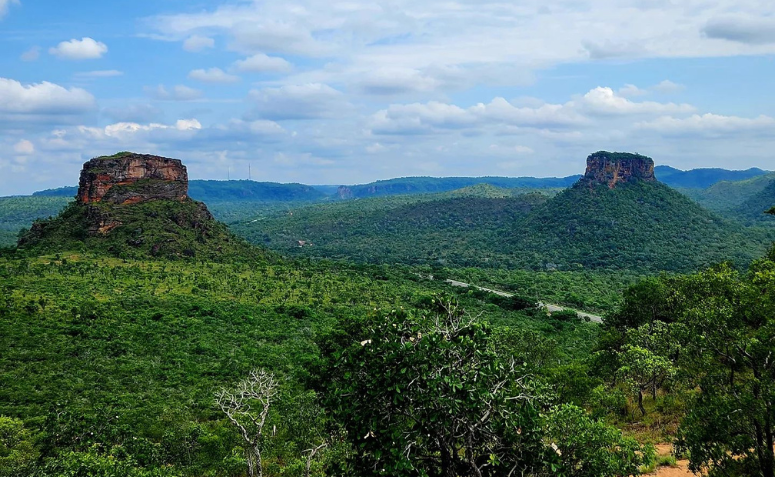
{"x":307,"y":101}
{"x":24,"y":147}
{"x":196,"y":43}
{"x":178,"y":93}
{"x":630,"y":91}
{"x":260,"y":63}
{"x":213,"y":75}
{"x":667,"y":86}
{"x":31,"y":55}
{"x":709,"y":125}
{"x":99,"y":74}
{"x":42,"y":99}
{"x":83,"y":49}
{"x":605,"y":101}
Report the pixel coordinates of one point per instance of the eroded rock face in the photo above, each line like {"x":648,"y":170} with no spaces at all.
{"x":132,"y":178}
{"x":611,"y":168}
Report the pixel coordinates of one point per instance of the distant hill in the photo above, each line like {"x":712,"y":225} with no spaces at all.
{"x":135,"y":205}
{"x":454,"y":228}
{"x":214,"y":191}
{"x":617,"y":217}
{"x":726,"y":196}
{"x":19,"y":212}
{"x":638,"y":226}
{"x":754,"y":210}
{"x":251,"y":191}
{"x":702,"y":178}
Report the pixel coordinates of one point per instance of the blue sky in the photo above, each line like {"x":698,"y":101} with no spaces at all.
{"x":343,"y":92}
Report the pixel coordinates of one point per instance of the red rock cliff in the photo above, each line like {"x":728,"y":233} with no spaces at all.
{"x":130,"y":178}
{"x":611,"y":168}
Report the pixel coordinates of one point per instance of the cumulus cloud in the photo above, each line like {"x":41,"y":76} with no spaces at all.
{"x":31,"y":55}
{"x":213,"y":75}
{"x":307,"y":101}
{"x":42,"y":99}
{"x":24,"y":147}
{"x":177,"y":93}
{"x":261,"y":63}
{"x":742,"y":29}
{"x":709,"y":125}
{"x":196,"y":43}
{"x":667,"y":86}
{"x":605,"y":101}
{"x":83,"y":49}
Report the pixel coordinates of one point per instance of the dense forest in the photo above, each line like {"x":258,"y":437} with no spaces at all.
{"x":161,"y":345}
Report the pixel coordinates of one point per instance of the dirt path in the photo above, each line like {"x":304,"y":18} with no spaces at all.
{"x":680,"y":470}
{"x":547,"y":306}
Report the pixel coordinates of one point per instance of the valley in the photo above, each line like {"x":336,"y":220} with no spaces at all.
{"x":592,"y":316}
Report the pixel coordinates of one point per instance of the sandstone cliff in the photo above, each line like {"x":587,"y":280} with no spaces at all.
{"x":128,"y":178}
{"x":611,"y":168}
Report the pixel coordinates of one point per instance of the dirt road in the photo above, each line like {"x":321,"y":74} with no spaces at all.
{"x":547,"y":306}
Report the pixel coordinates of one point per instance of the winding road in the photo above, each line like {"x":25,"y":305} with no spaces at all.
{"x":546,"y":306}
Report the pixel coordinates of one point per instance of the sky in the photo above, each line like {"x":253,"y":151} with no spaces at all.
{"x":346,"y":92}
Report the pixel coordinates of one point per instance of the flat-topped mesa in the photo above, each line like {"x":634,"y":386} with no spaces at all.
{"x":128,"y":178}
{"x":611,"y":168}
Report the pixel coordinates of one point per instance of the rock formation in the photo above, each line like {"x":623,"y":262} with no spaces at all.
{"x":128,"y":178}
{"x":611,"y":168}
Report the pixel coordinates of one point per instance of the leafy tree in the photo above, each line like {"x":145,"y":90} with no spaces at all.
{"x":642,"y":370}
{"x":17,"y":451}
{"x":428,"y":396}
{"x":589,"y":448}
{"x":731,"y":322}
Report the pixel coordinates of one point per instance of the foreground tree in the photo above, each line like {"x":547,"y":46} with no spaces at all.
{"x":730,"y":426}
{"x":429,"y":396}
{"x":247,"y":407}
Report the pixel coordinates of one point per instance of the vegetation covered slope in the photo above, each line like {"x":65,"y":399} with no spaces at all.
{"x":702,"y":178}
{"x":754,"y":209}
{"x":451,"y":230}
{"x":635,"y":226}
{"x":726,"y":196}
{"x":17,"y":213}
{"x":159,"y":228}
{"x":113,"y":364}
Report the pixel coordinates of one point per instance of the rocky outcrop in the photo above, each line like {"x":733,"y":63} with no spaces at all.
{"x":611,"y":168}
{"x":128,"y":178}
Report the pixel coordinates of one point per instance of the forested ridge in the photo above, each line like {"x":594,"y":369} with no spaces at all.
{"x":166,"y":346}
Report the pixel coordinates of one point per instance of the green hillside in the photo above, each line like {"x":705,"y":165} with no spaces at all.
{"x":726,"y":196}
{"x":754,"y":210}
{"x":19,"y":212}
{"x":702,"y":178}
{"x":436,"y":229}
{"x":641,"y":227}
{"x":151,"y":229}
{"x":637,"y":226}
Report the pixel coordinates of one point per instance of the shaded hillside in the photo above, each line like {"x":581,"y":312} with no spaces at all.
{"x":754,"y":210}
{"x":462,"y":231}
{"x":702,"y":178}
{"x":251,"y":191}
{"x":19,"y":212}
{"x":726,"y":196}
{"x":638,"y":225}
{"x":423,"y":185}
